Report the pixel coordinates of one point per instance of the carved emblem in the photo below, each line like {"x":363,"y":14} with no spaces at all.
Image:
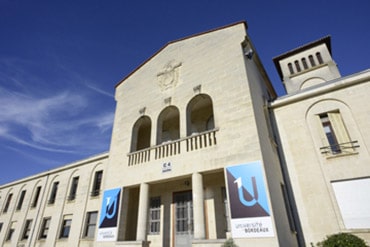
{"x":169,"y":76}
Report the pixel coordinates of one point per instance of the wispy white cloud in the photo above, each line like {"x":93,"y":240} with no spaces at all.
{"x":63,"y":120}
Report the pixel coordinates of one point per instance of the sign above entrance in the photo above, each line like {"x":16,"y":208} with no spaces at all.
{"x":166,"y":167}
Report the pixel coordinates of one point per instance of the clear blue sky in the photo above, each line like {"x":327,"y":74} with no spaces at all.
{"x":60,"y":61}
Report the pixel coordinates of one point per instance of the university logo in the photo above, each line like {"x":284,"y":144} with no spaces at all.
{"x":247,"y":193}
{"x":109,"y":209}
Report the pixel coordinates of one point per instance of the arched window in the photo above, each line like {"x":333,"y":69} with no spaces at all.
{"x":290,"y":66}
{"x":297,"y":66}
{"x":312,"y":61}
{"x":168,"y":125}
{"x":304,"y":62}
{"x":319,"y":58}
{"x":141,"y":134}
{"x":200,"y":114}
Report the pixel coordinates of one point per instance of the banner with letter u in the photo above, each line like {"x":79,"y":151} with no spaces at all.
{"x":107,"y":230}
{"x":250,"y":215}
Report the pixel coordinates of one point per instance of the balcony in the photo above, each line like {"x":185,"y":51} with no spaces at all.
{"x":341,"y":148}
{"x":188,"y":144}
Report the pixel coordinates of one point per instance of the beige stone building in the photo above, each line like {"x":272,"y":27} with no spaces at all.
{"x":202,"y":150}
{"x":324,"y":135}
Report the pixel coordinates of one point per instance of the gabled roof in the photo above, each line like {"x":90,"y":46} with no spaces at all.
{"x":325,"y":40}
{"x":178,"y":40}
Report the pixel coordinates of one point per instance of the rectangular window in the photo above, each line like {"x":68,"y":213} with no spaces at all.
{"x":97,"y":183}
{"x":155,"y":215}
{"x":91,"y":219}
{"x":336,"y":134}
{"x":36,"y":197}
{"x":66,"y":227}
{"x":1,"y":226}
{"x":53,"y":193}
{"x":10,"y":232}
{"x":73,"y":191}
{"x":7,"y":203}
{"x":27,"y":229}
{"x":21,"y":199}
{"x":45,"y":228}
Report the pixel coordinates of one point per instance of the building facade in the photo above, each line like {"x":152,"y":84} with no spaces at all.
{"x":202,"y":150}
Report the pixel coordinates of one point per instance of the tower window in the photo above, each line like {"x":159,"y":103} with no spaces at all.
{"x":319,"y":58}
{"x":304,"y":62}
{"x":297,"y":66}
{"x":312,"y":61}
{"x":290,"y":67}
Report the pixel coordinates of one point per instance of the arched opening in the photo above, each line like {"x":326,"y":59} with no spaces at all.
{"x":168,"y":125}
{"x":200,"y":114}
{"x":141,"y":134}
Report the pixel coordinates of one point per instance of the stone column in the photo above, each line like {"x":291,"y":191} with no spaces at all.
{"x":143,"y":212}
{"x":198,"y":206}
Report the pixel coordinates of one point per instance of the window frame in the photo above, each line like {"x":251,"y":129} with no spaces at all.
{"x":21,"y":200}
{"x":45,"y":227}
{"x":53,"y":194}
{"x":73,"y":189}
{"x":90,"y":227}
{"x":7,"y":202}
{"x":36,"y":197}
{"x":27,"y":229}
{"x":65,"y":227}
{"x":154,"y":216}
{"x":98,"y":178}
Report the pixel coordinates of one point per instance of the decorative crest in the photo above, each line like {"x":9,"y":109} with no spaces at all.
{"x":169,"y":76}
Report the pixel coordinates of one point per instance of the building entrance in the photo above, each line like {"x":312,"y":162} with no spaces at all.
{"x":183,"y":206}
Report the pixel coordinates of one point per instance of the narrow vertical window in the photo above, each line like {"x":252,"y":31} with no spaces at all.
{"x":7,"y":203}
{"x":97,"y":183}
{"x":91,"y":219}
{"x":290,"y":67}
{"x":45,"y":228}
{"x":297,"y":66}
{"x":319,"y":58}
{"x":21,"y":199}
{"x":36,"y":197}
{"x":53,"y":193}
{"x":312,"y":61}
{"x":304,"y":62}
{"x":155,"y":215}
{"x":1,"y":226}
{"x":73,"y":190}
{"x":66,"y":227}
{"x":330,"y":134}
{"x":10,"y":233}
{"x":26,"y":229}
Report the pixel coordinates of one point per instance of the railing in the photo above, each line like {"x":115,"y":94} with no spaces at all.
{"x":341,"y":148}
{"x":189,"y":143}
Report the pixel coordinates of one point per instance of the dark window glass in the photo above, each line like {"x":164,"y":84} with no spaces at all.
{"x":312,"y":61}
{"x":45,"y":228}
{"x":8,"y":200}
{"x":53,"y":194}
{"x":73,"y":191}
{"x":66,"y":227}
{"x":36,"y":197}
{"x":91,"y":219}
{"x":21,"y":199}
{"x":27,"y":229}
{"x":319,"y":58}
{"x":297,"y":66}
{"x":97,"y":183}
